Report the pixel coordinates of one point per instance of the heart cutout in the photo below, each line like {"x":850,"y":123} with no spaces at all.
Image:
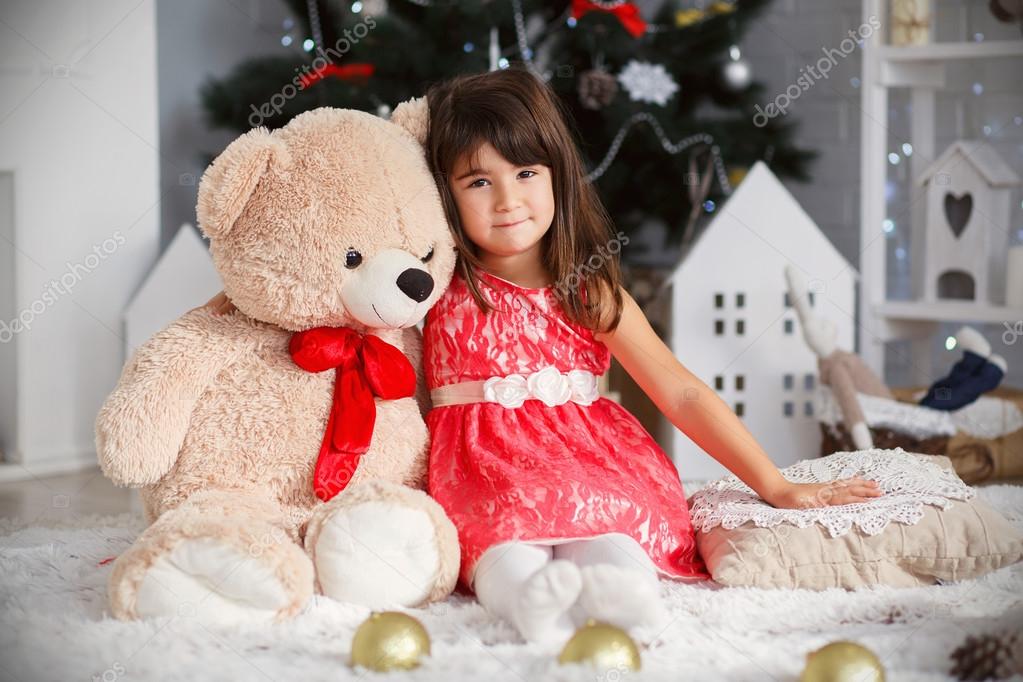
{"x":957,"y":212}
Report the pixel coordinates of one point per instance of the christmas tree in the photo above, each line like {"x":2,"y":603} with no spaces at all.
{"x":663,"y":105}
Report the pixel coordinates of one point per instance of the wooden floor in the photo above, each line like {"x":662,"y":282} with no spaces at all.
{"x":64,"y":497}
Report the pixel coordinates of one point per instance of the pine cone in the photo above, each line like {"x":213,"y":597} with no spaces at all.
{"x":597,"y":88}
{"x":988,"y":657}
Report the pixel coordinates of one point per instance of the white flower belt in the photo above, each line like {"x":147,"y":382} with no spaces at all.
{"x":547,"y":385}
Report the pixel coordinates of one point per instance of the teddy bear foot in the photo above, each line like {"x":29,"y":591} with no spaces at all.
{"x":377,"y":553}
{"x":383,"y":544}
{"x":221,"y":558}
{"x":213,"y":582}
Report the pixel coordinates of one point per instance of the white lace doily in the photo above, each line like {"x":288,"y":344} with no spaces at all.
{"x":909,"y":482}
{"x":986,"y":417}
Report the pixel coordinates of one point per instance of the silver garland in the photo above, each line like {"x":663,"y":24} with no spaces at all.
{"x":314,"y":23}
{"x":668,"y":146}
{"x":523,"y":44}
{"x":671,"y":147}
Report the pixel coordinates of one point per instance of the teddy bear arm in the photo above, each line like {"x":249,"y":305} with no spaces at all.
{"x":143,"y":423}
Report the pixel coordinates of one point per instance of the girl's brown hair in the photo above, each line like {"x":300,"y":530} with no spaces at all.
{"x":523,"y":120}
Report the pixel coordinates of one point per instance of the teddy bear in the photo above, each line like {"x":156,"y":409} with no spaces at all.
{"x":281,"y":449}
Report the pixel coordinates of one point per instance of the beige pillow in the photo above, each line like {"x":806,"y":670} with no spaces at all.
{"x":964,"y":541}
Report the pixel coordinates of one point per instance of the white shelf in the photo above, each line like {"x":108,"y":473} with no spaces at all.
{"x":920,"y":69}
{"x":948,"y":311}
{"x":947,"y":51}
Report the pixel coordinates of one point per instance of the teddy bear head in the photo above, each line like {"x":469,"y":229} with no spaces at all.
{"x":332,"y":220}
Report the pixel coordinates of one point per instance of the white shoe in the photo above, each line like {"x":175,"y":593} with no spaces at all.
{"x":968,"y":338}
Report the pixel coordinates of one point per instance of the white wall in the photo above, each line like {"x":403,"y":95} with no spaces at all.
{"x":8,"y":308}
{"x":78,"y":131}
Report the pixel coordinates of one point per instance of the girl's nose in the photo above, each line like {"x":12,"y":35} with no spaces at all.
{"x":507,"y":199}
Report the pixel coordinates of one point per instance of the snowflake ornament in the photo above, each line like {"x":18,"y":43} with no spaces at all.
{"x":646,"y":82}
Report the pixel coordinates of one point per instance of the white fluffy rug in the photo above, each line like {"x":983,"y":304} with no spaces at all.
{"x":54,"y":625}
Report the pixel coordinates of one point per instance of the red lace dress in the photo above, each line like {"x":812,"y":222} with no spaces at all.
{"x":534,"y":472}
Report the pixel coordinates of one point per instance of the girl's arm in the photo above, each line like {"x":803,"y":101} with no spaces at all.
{"x":697,"y":411}
{"x":219,"y":304}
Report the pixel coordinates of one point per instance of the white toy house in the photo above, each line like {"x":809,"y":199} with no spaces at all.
{"x":183,"y":278}
{"x":961,"y":253}
{"x":733,"y":326}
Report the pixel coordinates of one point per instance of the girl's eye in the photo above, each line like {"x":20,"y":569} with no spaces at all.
{"x":478,"y":183}
{"x":428,"y":256}
{"x":527,"y":174}
{"x":352,"y":259}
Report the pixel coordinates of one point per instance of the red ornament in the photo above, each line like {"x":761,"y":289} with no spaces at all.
{"x":627,"y":13}
{"x":365,"y":366}
{"x":347,"y":72}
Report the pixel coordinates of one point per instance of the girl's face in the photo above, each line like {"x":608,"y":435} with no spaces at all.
{"x":505,"y":209}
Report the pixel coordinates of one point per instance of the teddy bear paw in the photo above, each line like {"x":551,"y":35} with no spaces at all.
{"x":377,"y":554}
{"x":213,"y":582}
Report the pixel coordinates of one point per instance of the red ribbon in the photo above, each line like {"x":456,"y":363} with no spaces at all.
{"x":347,"y":72}
{"x":365,"y":366}
{"x":626,"y":12}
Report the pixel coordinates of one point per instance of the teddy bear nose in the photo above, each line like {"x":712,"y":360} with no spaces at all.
{"x":417,"y":284}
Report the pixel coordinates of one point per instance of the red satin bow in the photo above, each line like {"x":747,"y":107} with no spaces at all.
{"x":365,"y":367}
{"x":627,"y":13}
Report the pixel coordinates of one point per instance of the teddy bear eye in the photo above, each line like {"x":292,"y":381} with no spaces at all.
{"x":428,"y":256}
{"x":352,"y":259}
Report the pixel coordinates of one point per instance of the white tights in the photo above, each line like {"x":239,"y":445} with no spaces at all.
{"x":546,"y":591}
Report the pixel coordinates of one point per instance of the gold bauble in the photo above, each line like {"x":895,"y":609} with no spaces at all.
{"x":842,"y":662}
{"x":390,"y":640}
{"x":603,"y":646}
{"x":722,"y":7}
{"x":736,"y":175}
{"x":688,"y":17}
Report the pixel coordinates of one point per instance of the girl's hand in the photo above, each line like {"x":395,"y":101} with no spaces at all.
{"x":220,"y":304}
{"x":807,"y":495}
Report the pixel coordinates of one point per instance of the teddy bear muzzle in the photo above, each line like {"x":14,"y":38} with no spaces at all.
{"x":391,"y":289}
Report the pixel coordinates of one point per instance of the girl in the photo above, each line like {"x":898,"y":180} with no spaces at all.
{"x":565,"y":507}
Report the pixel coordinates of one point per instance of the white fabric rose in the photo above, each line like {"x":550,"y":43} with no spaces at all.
{"x":584,"y":386}
{"x":509,"y":391}
{"x":550,"y":386}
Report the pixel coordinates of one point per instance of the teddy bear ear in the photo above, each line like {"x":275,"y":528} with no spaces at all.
{"x":414,"y":117}
{"x":228,"y":184}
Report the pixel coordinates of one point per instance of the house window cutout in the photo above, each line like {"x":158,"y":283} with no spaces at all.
{"x":808,"y":382}
{"x":957,"y":285}
{"x":788,"y":326}
{"x":740,"y":409}
{"x":719,"y":327}
{"x":788,"y":381}
{"x":808,"y":409}
{"x":719,"y":383}
{"x":812,"y":299}
{"x":740,"y":327}
{"x":719,"y":300}
{"x":740,"y":382}
{"x":788,"y":409}
{"x":740,"y":300}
